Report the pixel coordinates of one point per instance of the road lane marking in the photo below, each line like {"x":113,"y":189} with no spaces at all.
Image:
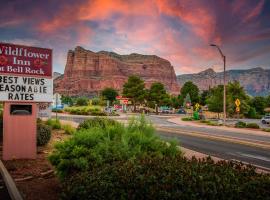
{"x":217,"y":138}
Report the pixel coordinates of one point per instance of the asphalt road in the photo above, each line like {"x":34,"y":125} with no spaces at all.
{"x":218,"y":148}
{"x":221,"y":149}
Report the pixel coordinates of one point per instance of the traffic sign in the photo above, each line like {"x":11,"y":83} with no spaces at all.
{"x":237,"y":102}
{"x":197,"y":106}
{"x":237,"y":109}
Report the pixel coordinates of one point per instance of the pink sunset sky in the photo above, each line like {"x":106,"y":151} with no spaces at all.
{"x":177,"y":30}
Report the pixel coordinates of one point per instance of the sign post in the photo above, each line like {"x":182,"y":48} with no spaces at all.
{"x":25,"y":80}
{"x":237,"y":109}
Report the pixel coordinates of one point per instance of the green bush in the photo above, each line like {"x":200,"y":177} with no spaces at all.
{"x":82,"y":101}
{"x":97,"y":122}
{"x":240,"y":124}
{"x":68,"y":129}
{"x":187,"y":119}
{"x":54,"y":123}
{"x":155,"y":177}
{"x":212,"y":123}
{"x":57,"y":110}
{"x":43,"y":134}
{"x":107,"y":143}
{"x":98,"y":113}
{"x":266,"y":129}
{"x":253,"y":125}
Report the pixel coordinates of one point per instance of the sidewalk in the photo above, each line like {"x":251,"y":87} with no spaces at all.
{"x":179,"y":121}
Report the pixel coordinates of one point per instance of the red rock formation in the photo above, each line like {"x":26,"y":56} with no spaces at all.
{"x":256,"y":81}
{"x":87,"y":72}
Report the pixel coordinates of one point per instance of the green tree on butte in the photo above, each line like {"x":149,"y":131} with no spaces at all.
{"x":109,"y":94}
{"x":190,"y":88}
{"x":134,"y":89}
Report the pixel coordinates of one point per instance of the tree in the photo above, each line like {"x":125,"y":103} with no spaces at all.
{"x":215,"y":99}
{"x":157,"y":95}
{"x":192,"y":90}
{"x":268,"y":101}
{"x":259,"y":103}
{"x":175,"y":101}
{"x":82,"y":101}
{"x":204,"y":96}
{"x":109,"y":94}
{"x":134,"y":89}
{"x":67,"y":100}
{"x":187,"y":100}
{"x":236,"y":91}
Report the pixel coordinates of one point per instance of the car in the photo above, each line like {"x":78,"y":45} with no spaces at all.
{"x":181,"y":111}
{"x":266,"y":119}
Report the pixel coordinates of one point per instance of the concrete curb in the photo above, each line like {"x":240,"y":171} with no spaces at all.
{"x":12,"y":189}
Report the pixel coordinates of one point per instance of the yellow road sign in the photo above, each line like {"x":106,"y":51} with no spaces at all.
{"x":197,"y":106}
{"x":237,"y":102}
{"x":237,"y":109}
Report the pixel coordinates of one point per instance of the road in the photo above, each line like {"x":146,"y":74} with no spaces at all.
{"x":245,"y":147}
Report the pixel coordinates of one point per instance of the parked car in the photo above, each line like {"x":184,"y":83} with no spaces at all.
{"x":181,"y":111}
{"x":266,"y":119}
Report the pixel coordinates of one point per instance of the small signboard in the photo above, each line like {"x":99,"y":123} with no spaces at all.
{"x":237,"y":102}
{"x":44,"y":110}
{"x":237,"y":109}
{"x":25,"y":89}
{"x":23,"y":60}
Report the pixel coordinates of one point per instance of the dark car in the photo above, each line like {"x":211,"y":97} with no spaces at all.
{"x":181,"y":111}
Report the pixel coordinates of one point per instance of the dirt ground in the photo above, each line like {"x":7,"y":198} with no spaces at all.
{"x":36,"y":179}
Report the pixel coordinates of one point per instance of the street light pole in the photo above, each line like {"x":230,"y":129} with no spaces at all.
{"x":224,"y":81}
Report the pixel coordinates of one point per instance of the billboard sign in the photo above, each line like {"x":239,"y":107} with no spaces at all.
{"x":24,"y":60}
{"x":25,"y":89}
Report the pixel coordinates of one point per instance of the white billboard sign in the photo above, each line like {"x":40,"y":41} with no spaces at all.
{"x":25,"y":89}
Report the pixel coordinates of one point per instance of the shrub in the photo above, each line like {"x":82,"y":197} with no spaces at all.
{"x":155,"y":177}
{"x":82,"y":101}
{"x":54,"y":123}
{"x":97,"y":122}
{"x":68,"y":129}
{"x":187,"y":119}
{"x":57,"y":110}
{"x":266,"y":129}
{"x":253,"y":125}
{"x":240,"y":124}
{"x":107,"y":143}
{"x":98,"y":113}
{"x":43,"y":134}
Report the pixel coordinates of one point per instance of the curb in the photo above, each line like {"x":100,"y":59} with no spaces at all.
{"x":11,"y":187}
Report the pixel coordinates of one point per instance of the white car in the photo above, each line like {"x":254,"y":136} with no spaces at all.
{"x":266,"y":119}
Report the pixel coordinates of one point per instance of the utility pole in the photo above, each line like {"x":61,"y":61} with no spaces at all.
{"x":224,"y":81}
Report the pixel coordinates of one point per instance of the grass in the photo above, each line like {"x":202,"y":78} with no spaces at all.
{"x":54,"y":123}
{"x":69,"y":130}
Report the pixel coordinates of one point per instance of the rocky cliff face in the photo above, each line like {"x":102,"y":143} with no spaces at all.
{"x":256,"y":81}
{"x":87,"y":72}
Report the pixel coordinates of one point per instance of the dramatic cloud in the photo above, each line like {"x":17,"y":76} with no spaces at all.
{"x":177,"y":30}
